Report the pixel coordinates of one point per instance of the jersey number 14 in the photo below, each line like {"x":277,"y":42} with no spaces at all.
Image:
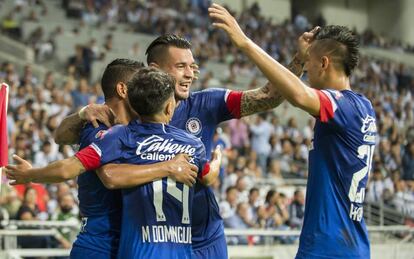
{"x":173,"y":190}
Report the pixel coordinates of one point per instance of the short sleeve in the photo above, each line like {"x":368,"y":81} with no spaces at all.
{"x":90,"y":134}
{"x":106,"y":147}
{"x":334,"y":107}
{"x":222,"y":104}
{"x":200,"y":160}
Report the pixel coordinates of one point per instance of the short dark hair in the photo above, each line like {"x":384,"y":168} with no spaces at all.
{"x":252,"y":190}
{"x":269,"y":195}
{"x":341,"y":43}
{"x":119,"y":70}
{"x":158,"y":48}
{"x":230,"y":188}
{"x":149,"y":89}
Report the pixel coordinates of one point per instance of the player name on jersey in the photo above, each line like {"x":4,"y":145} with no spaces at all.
{"x":162,"y":233}
{"x":150,"y":149}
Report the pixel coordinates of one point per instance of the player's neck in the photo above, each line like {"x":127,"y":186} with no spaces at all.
{"x":157,"y":118}
{"x":122,"y":111}
{"x":338,"y":82}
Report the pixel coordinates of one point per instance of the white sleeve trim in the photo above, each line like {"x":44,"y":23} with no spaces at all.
{"x":227,"y":95}
{"x":97,"y":149}
{"x":333,"y":102}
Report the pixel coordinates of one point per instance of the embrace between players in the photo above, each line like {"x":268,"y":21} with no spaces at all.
{"x":143,"y":184}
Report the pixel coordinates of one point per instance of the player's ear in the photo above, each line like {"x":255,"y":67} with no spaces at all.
{"x":324,"y":62}
{"x":121,"y":90}
{"x":170,"y":107}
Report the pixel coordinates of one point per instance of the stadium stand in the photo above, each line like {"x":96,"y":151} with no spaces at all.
{"x":53,"y":53}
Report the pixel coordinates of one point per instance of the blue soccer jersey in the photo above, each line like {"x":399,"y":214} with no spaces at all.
{"x":199,"y":115}
{"x":340,"y":160}
{"x":156,"y":219}
{"x":100,"y":208}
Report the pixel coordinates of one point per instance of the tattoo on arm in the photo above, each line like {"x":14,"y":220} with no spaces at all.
{"x":296,"y":66}
{"x":259,"y":100}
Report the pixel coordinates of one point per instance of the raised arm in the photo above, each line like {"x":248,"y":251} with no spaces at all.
{"x":265,"y":98}
{"x":282,"y":80}
{"x":55,"y":172}
{"x":68,"y":132}
{"x":116,"y":176}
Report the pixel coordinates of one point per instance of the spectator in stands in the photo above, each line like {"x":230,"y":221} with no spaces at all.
{"x":81,"y":96}
{"x":40,"y":195}
{"x":261,"y":132}
{"x":66,"y":212}
{"x":29,"y":209}
{"x":275,"y":220}
{"x":9,"y":200}
{"x":297,"y":210}
{"x":45,"y":156}
{"x":11,"y":26}
{"x":239,"y":135}
{"x":228,"y":206}
{"x":408,"y":162}
{"x":254,"y":202}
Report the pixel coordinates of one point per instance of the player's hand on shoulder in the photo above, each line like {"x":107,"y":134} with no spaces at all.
{"x":18,"y":173}
{"x":98,"y":112}
{"x":181,"y":170}
{"x":224,"y":20}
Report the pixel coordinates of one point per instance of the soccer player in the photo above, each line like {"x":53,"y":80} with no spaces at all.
{"x":340,"y":157}
{"x":101,"y":208}
{"x":156,"y":221}
{"x":199,"y":113}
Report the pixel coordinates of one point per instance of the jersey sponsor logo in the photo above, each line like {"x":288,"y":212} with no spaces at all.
{"x":160,"y":149}
{"x":193,"y":126}
{"x":166,"y":234}
{"x":369,"y":129}
{"x":101,"y":134}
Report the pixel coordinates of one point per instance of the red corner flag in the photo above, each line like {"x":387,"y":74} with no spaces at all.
{"x":4,"y":92}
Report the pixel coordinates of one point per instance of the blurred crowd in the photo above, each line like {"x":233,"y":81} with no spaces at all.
{"x":262,"y":152}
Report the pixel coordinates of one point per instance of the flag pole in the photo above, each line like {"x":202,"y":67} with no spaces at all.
{"x":5,"y":114}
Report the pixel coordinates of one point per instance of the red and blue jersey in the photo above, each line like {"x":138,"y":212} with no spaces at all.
{"x":199,"y":115}
{"x":100,"y":208}
{"x":340,"y":160}
{"x":156,"y":217}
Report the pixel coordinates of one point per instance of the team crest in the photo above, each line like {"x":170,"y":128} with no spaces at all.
{"x":193,"y":126}
{"x":101,"y":134}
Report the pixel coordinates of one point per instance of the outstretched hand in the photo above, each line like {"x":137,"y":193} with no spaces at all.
{"x":181,"y":170}
{"x":224,"y":20}
{"x":98,"y":112}
{"x":18,"y":173}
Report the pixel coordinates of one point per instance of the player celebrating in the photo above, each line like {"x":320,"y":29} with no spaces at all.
{"x":101,"y":208}
{"x":340,"y":157}
{"x":159,"y":226}
{"x":198,"y":113}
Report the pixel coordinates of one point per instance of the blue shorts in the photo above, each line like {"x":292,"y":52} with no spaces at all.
{"x":217,"y":250}
{"x":78,"y":252}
